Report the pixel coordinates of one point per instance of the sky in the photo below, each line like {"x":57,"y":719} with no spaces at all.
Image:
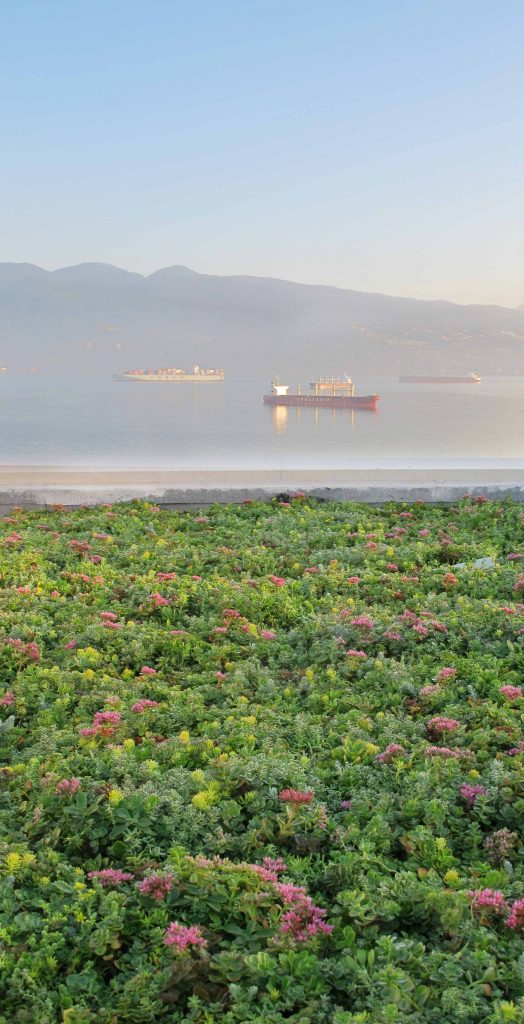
{"x":374,"y":145}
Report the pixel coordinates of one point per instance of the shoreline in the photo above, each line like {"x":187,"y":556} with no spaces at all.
{"x":40,"y":486}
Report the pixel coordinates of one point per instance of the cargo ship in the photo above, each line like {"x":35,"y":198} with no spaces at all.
{"x":171,"y":374}
{"x":470,"y":378}
{"x":326,"y":393}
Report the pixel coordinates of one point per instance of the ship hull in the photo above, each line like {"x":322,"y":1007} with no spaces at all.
{"x":169,"y":378}
{"x":439,"y":380}
{"x":324,"y":401}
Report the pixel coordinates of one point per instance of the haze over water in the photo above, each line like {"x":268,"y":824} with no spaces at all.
{"x":94,"y":421}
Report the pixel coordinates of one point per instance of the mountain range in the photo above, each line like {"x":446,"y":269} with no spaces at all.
{"x":99,"y":318}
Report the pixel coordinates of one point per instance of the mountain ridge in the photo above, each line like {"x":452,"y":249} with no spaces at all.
{"x":133,"y":274}
{"x":100,"y":317}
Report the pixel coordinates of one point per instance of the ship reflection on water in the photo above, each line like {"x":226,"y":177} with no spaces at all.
{"x":279,"y":417}
{"x":313,"y":417}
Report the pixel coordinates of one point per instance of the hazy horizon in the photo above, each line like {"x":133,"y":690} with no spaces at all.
{"x":377,"y":149}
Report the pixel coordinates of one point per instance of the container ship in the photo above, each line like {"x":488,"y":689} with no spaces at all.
{"x":325,"y":393}
{"x":171,"y":374}
{"x":470,"y":378}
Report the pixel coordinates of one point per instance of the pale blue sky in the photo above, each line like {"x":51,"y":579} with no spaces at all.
{"x":375,"y":145}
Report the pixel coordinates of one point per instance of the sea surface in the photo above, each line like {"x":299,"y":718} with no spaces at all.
{"x":91,"y":420}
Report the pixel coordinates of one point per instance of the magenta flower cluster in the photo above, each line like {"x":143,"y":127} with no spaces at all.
{"x":441,"y":724}
{"x":295,"y":796}
{"x":156,"y":885}
{"x":181,"y":937}
{"x":303,"y":920}
{"x":392,"y":750}
{"x":111,"y":876}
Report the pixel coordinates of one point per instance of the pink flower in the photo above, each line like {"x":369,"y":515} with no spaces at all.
{"x":405,"y":515}
{"x":489,"y":899}
{"x":279,"y":581}
{"x":111,"y":876}
{"x":428,"y":691}
{"x":516,"y":917}
{"x":446,"y":673}
{"x":69,"y":645}
{"x":356,"y":654}
{"x":423,"y":533}
{"x":7,"y":699}
{"x":362,"y":622}
{"x":109,"y":616}
{"x":391,"y":635}
{"x":106,"y":718}
{"x":220,"y":675}
{"x":511,"y":692}
{"x":147,"y":671}
{"x":164,"y":576}
{"x":181,"y":937}
{"x":219,"y":629}
{"x":312,"y":568}
{"x":179,"y":632}
{"x":158,"y":600}
{"x":295,"y":796}
{"x":274,"y":864}
{"x":417,"y":627}
{"x":371,"y":546}
{"x":441,"y":724}
{"x":470,"y":793}
{"x":196,"y":578}
{"x":144,"y":705}
{"x":303,"y":920}
{"x":68,"y":786}
{"x":345,"y":805}
{"x":156,"y":885}
{"x":392,"y":750}
{"x":267,"y":634}
{"x":392,"y":567}
{"x":354,"y":579}
{"x":231,"y":613}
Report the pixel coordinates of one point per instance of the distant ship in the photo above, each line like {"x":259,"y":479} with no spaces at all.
{"x":171,"y":374}
{"x":3,"y":369}
{"x":327,"y":393}
{"x":471,"y":378}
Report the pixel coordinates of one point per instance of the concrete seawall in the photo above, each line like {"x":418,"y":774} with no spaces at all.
{"x":38,"y":487}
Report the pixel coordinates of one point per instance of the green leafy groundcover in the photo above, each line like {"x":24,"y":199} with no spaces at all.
{"x":262,"y":764}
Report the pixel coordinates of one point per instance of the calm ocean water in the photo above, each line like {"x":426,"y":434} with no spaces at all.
{"x":94,"y":421}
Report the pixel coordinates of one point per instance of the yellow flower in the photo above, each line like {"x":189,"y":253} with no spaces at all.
{"x":129,"y":744}
{"x":451,"y":877}
{"x":115,"y":796}
{"x":184,"y":736}
{"x":16,"y":862}
{"x":204,"y":799}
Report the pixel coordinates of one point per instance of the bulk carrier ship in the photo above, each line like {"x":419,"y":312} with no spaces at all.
{"x":326,"y":393}
{"x":172,"y":374}
{"x":471,"y":378}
